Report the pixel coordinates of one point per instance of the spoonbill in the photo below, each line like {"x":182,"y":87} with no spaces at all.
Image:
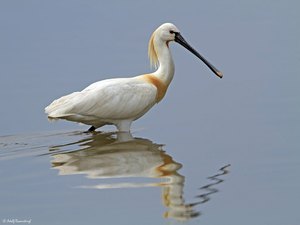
{"x":120,"y":101}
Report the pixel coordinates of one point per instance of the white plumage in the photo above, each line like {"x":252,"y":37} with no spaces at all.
{"x":122,"y":100}
{"x":112,"y":101}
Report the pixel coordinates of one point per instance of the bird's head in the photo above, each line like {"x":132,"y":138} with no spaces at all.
{"x":169,"y":32}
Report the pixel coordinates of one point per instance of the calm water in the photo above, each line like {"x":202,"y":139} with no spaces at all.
{"x":212,"y":152}
{"x":116,"y":174}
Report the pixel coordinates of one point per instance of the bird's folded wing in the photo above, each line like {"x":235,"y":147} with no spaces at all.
{"x":114,"y":99}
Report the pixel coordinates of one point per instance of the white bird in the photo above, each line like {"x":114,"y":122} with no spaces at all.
{"x":121,"y":101}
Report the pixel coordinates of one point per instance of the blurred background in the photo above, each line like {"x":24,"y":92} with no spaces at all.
{"x":249,"y":119}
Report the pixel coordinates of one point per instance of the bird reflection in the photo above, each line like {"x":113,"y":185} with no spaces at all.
{"x":119,"y":155}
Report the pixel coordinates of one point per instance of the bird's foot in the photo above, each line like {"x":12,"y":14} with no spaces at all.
{"x":90,"y":130}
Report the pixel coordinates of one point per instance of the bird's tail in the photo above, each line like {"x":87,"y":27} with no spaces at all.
{"x":61,"y":107}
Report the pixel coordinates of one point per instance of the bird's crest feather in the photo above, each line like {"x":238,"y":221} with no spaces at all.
{"x":152,"y":52}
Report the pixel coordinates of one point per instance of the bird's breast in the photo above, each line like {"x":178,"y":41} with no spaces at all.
{"x":159,"y":84}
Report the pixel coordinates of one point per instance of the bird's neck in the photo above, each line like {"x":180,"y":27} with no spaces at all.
{"x":166,"y":69}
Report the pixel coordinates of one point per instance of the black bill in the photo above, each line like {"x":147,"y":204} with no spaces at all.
{"x":179,"y":39}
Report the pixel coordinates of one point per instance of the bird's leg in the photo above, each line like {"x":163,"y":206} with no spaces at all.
{"x":124,"y":125}
{"x":91,"y":129}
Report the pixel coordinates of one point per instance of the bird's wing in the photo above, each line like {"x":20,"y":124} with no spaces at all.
{"x":108,"y":99}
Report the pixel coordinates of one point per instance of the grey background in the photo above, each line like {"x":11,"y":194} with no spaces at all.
{"x":250,"y":118}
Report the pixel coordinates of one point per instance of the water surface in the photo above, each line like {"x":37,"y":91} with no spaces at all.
{"x":176,"y":166}
{"x":101,"y":162}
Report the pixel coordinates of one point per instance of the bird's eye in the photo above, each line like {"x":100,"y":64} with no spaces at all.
{"x":172,"y":31}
